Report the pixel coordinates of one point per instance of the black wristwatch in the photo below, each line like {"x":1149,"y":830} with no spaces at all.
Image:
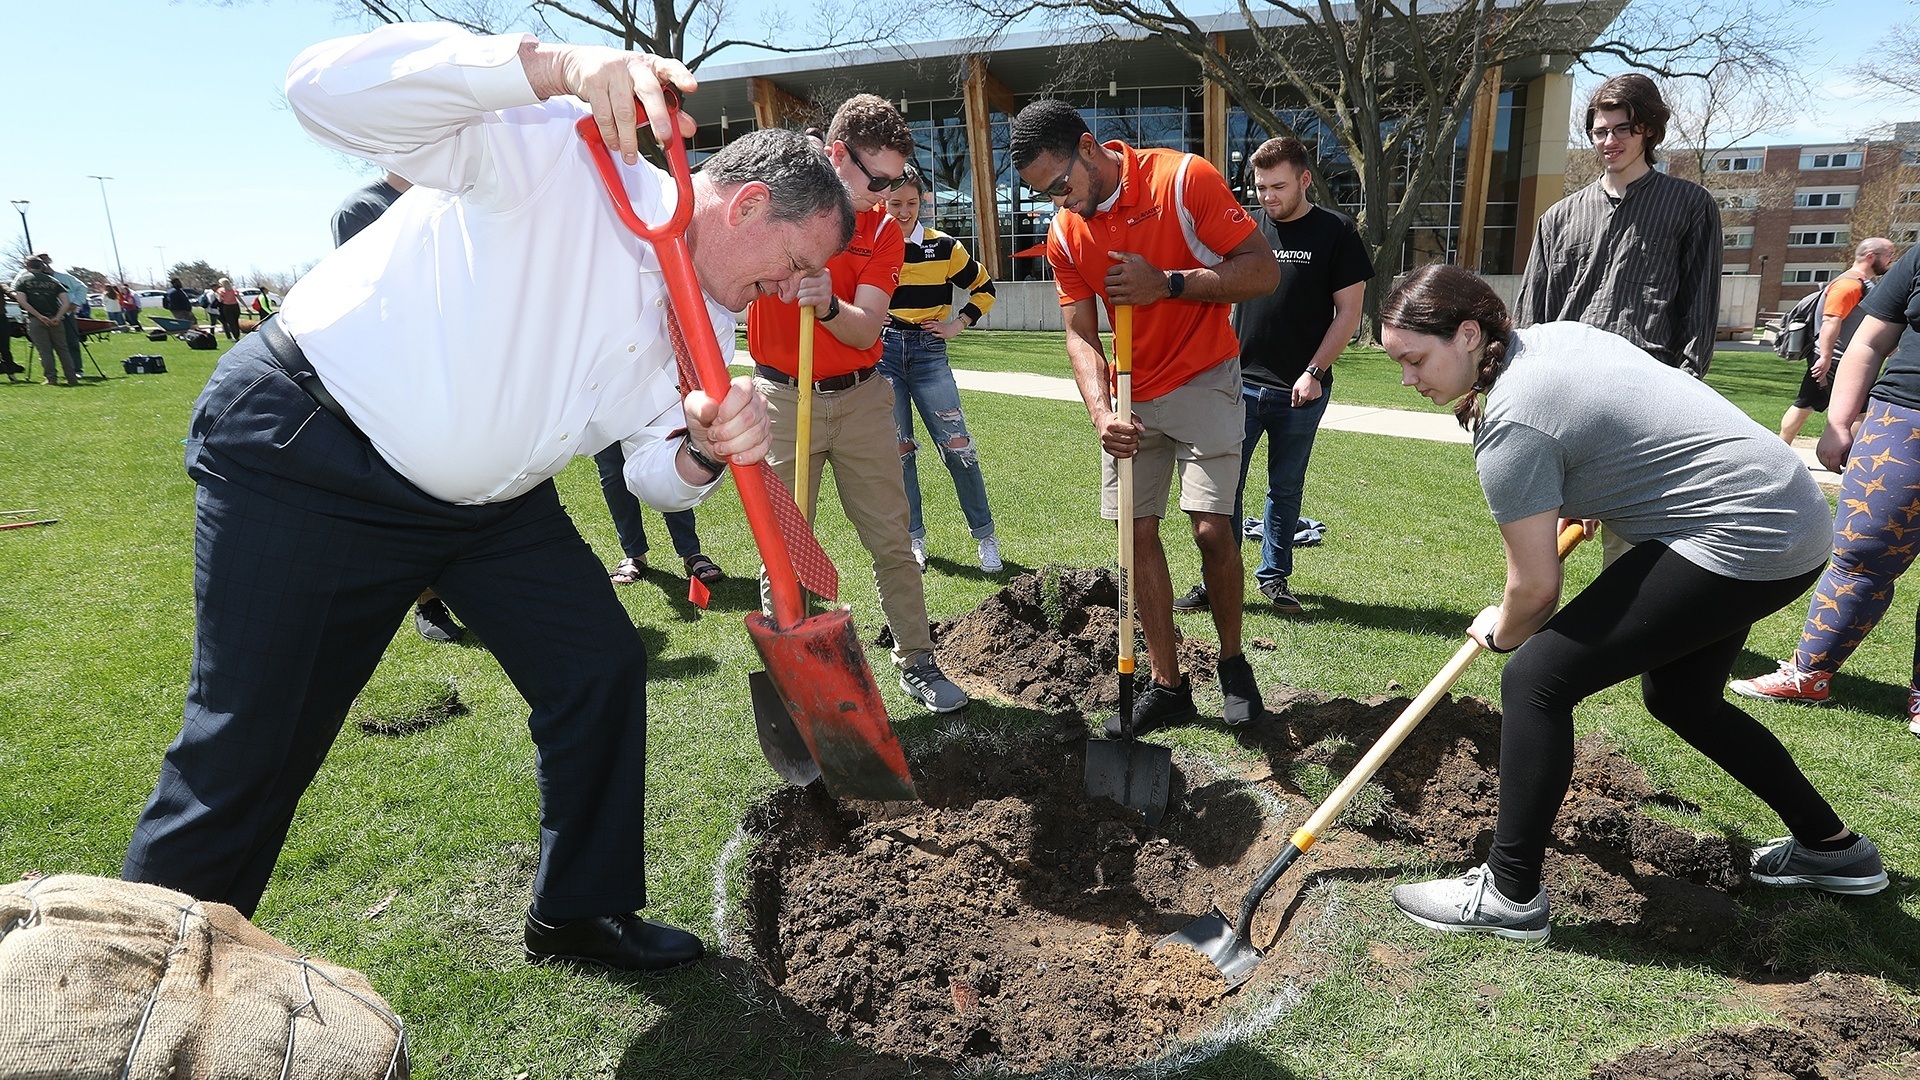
{"x":833,"y":309}
{"x":1319,"y":373}
{"x":714,"y":468}
{"x":1176,"y":284}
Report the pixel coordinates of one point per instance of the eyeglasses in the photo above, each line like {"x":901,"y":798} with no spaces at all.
{"x":1059,"y":187}
{"x":1618,"y":131}
{"x":877,"y":183}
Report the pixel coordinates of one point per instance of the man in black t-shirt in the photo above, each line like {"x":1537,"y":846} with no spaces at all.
{"x":1288,"y":342}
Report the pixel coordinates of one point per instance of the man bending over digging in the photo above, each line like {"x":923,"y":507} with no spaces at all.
{"x":388,"y":431}
{"x":1160,"y":230}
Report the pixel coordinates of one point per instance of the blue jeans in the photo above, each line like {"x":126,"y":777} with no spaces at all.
{"x":1289,"y":434}
{"x":625,"y":510}
{"x":915,"y":362}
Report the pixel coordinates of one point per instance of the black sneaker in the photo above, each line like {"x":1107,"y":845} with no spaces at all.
{"x":1282,"y":597}
{"x":1241,"y":692}
{"x":1156,"y":707}
{"x":1195,"y":600}
{"x":436,"y":623}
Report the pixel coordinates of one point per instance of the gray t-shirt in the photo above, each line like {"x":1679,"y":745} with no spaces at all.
{"x":1584,"y":423}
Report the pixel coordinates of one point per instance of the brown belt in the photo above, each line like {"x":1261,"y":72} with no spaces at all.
{"x":831,"y":385}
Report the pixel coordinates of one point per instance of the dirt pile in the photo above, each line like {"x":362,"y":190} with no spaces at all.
{"x":1834,"y":1026}
{"x":1049,"y":640}
{"x":1010,"y":919}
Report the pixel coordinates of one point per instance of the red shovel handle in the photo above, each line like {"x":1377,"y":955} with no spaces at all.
{"x":669,"y":242}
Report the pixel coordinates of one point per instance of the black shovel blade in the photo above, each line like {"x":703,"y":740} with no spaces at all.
{"x":1212,"y":936}
{"x":1134,"y":774}
{"x":780,"y":741}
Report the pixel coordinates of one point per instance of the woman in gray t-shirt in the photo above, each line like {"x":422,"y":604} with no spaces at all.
{"x":1574,"y":422}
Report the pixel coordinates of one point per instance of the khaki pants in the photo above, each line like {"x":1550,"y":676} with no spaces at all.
{"x":854,"y":430}
{"x":54,"y":348}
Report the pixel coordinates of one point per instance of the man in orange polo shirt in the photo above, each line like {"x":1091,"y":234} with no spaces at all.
{"x":1161,"y":231}
{"x":868,"y":144}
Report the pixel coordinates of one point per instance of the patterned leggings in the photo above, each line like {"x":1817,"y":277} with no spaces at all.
{"x":1879,"y":510}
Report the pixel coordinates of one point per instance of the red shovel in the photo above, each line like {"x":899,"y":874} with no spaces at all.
{"x":816,"y":664}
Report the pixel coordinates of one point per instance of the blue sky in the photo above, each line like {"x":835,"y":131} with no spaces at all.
{"x":180,"y":103}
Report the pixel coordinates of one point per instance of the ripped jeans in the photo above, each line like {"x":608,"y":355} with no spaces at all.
{"x":915,"y":362}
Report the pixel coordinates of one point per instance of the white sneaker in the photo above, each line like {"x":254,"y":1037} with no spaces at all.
{"x":990,"y":555}
{"x":920,"y":553}
{"x":1913,"y":711}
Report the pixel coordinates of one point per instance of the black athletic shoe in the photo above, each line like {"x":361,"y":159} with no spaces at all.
{"x":1156,"y":707}
{"x":1282,"y":597}
{"x":1195,"y":600}
{"x":436,"y":623}
{"x":1241,"y":692}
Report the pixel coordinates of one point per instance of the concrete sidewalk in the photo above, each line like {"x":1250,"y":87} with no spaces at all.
{"x":1367,"y":420}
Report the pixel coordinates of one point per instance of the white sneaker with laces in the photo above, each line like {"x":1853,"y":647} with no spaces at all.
{"x":1471,"y":904}
{"x":990,"y":555}
{"x":1913,"y":711}
{"x":920,"y":553}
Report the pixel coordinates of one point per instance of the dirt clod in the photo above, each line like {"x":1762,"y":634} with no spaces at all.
{"x":1833,"y":1026}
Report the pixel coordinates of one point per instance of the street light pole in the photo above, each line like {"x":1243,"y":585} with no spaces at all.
{"x":110,"y":234}
{"x":21,"y":206}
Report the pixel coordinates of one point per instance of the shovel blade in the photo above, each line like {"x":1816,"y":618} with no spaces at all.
{"x":1134,"y":774}
{"x":1212,"y":936}
{"x":820,"y":674}
{"x":780,"y":741}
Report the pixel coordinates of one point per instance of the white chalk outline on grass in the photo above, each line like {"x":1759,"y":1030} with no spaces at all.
{"x":1241,"y":1025}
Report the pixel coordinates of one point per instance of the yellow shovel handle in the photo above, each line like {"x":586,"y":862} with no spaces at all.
{"x":803,"y":431}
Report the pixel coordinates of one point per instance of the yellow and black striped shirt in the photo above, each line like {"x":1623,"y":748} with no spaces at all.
{"x":935,"y":264}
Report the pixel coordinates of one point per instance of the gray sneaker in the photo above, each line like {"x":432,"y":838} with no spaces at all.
{"x":1472,"y":905}
{"x":928,"y":685}
{"x":1854,"y":869}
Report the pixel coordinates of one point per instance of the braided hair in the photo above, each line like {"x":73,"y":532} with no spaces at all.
{"x":1435,"y":300}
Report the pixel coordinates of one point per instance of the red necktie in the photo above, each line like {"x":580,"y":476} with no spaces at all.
{"x":815,"y":571}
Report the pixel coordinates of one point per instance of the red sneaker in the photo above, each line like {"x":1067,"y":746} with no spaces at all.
{"x":1787,"y":684}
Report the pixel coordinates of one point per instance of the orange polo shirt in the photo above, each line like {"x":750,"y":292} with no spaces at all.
{"x":872,"y":257}
{"x":1176,"y":212}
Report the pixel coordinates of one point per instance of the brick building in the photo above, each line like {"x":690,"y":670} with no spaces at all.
{"x":1791,"y":214}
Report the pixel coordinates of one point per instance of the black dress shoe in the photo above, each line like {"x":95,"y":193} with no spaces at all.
{"x":435,"y":623}
{"x":620,"y":942}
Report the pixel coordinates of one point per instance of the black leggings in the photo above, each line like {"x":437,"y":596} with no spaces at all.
{"x":1679,"y":627}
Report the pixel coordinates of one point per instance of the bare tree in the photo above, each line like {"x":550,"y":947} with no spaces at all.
{"x":1895,"y":67}
{"x":691,"y":31}
{"x":1723,"y":110}
{"x":1390,"y":82}
{"x":1889,"y":200}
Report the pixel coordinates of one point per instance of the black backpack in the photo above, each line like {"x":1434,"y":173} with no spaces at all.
{"x":200,"y":339}
{"x":1800,"y":326}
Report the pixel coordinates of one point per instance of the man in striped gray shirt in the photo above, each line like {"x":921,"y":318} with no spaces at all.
{"x":1637,"y":252}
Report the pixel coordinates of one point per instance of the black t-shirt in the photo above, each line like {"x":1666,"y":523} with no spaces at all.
{"x":1897,"y":300}
{"x":361,"y":209}
{"x":1319,"y":255}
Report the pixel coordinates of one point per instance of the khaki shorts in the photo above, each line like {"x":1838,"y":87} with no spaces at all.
{"x":1199,"y":426}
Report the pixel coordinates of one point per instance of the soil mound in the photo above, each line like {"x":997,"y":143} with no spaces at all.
{"x":1010,"y":919}
{"x":1049,"y":640}
{"x":1834,"y":1026}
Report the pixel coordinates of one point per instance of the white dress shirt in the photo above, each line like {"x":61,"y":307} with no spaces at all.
{"x":498,"y":319}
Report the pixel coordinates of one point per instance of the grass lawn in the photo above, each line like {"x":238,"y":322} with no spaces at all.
{"x":96,"y":632}
{"x":1759,"y":382}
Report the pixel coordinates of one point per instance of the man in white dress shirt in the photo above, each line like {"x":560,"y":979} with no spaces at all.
{"x":399,"y":423}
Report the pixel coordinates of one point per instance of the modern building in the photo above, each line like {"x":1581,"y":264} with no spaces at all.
{"x":1792,"y":214}
{"x":1508,"y":164}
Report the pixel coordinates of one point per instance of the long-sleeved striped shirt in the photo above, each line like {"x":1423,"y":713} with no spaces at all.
{"x":1646,"y":268}
{"x":935,"y":264}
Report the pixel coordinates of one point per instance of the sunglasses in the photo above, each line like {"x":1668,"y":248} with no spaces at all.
{"x":1060,"y":187}
{"x":878,"y":183}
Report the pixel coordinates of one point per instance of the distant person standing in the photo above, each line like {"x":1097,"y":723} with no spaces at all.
{"x":1289,"y":340}
{"x":177,"y":302}
{"x":44,"y":304}
{"x":7,"y":366}
{"x":78,"y":309}
{"x":1635,"y":253}
{"x":913,"y":357}
{"x":229,"y":300}
{"x":364,"y":207}
{"x":432,"y":619}
{"x":1840,"y":315}
{"x":129,"y":305}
